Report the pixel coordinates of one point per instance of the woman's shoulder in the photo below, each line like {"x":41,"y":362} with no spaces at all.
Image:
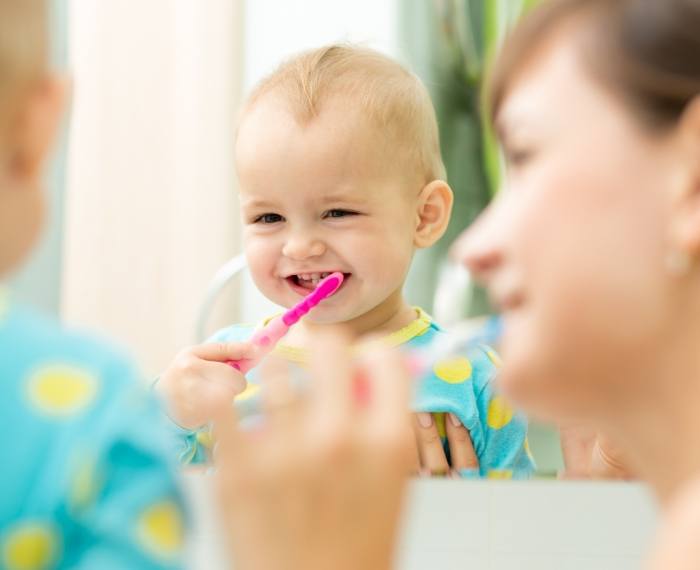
{"x":32,"y":339}
{"x":66,"y":385}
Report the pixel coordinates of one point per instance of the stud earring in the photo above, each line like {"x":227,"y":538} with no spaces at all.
{"x":678,"y":262}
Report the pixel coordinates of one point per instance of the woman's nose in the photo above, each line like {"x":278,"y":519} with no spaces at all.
{"x":479,"y":248}
{"x":301,"y":246}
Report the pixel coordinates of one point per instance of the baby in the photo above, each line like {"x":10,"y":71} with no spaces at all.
{"x":87,"y":475}
{"x":339,"y":164}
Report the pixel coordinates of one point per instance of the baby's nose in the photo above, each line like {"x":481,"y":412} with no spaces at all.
{"x":302,"y":247}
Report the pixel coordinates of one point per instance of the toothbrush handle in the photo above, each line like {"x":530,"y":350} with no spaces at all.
{"x":264,"y":340}
{"x":244,"y":365}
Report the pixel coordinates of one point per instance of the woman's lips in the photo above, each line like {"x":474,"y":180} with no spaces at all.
{"x":510,"y":301}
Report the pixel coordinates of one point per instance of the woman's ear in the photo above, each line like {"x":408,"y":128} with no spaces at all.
{"x":432,"y":213}
{"x":685,"y":225}
{"x":36,"y":127}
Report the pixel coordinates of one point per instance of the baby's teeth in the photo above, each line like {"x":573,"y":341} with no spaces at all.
{"x":314,"y":278}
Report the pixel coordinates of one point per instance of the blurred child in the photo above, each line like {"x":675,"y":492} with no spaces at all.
{"x":86,"y":482}
{"x":338,"y":158}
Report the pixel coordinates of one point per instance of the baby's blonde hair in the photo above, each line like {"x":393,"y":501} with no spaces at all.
{"x":24,"y":40}
{"x":389,"y":95}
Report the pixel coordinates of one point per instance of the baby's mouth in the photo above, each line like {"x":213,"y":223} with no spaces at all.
{"x":309,"y":281}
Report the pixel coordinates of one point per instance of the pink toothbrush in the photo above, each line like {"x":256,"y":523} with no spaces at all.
{"x":266,"y":338}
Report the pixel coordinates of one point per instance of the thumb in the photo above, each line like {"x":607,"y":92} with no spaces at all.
{"x":230,"y":442}
{"x":225,"y":376}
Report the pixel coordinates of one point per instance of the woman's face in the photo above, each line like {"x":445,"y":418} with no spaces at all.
{"x":573,"y":251}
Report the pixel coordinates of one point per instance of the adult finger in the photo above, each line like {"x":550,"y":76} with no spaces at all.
{"x":462,"y":451}
{"x":390,"y":386}
{"x":279,"y":397}
{"x":331,"y":395}
{"x":230,"y":443}
{"x":415,"y":466}
{"x":430,"y":448}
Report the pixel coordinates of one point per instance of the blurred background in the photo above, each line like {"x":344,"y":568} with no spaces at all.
{"x":142,"y":188}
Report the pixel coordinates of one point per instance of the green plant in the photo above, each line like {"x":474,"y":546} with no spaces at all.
{"x":450,"y":44}
{"x":474,"y":29}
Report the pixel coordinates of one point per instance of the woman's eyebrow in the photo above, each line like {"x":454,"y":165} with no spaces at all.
{"x":500,"y":130}
{"x":503,"y":127}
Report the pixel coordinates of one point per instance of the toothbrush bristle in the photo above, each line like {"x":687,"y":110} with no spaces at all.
{"x":329,"y":285}
{"x":324,"y":289}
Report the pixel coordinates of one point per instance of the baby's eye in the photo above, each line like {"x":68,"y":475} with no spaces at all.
{"x":268,"y":219}
{"x":339,"y":213}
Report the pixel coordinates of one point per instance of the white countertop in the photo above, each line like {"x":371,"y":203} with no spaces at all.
{"x":491,"y":525}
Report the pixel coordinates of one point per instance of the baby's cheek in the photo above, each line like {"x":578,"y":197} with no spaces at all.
{"x":389,"y":267}
{"x":399,"y":254}
{"x":261,"y":259}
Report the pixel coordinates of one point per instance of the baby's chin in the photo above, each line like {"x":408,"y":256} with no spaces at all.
{"x":329,"y":316}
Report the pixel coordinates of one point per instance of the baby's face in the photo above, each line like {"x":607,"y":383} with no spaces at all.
{"x":320,"y":198}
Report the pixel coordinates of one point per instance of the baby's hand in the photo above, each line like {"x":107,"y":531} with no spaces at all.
{"x":198,"y":380}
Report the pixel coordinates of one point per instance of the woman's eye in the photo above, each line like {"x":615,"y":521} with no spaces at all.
{"x":518,"y":157}
{"x":339,"y":213}
{"x":268,"y":219}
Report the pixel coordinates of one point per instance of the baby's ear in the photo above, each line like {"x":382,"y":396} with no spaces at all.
{"x":433,"y":213}
{"x":35,"y":129}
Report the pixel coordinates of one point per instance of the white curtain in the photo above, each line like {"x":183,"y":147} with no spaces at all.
{"x":151,"y":210}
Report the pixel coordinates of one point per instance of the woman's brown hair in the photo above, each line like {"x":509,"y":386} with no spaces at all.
{"x":647,"y":51}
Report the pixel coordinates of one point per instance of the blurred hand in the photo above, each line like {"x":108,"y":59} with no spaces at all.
{"x":589,"y":454}
{"x":198,"y":381}
{"x":321,"y":484}
{"x":676,"y":545}
{"x":430,"y":459}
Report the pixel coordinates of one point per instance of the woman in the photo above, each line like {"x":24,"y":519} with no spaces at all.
{"x":591,"y":252}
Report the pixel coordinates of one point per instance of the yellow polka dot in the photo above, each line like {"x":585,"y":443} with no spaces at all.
{"x":62,"y":390}
{"x":453,"y":371}
{"x":205,"y":439}
{"x":499,"y":414}
{"x":32,"y":546}
{"x":502,"y":474}
{"x":495,"y":359}
{"x":248,"y":393}
{"x":161,"y":530}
